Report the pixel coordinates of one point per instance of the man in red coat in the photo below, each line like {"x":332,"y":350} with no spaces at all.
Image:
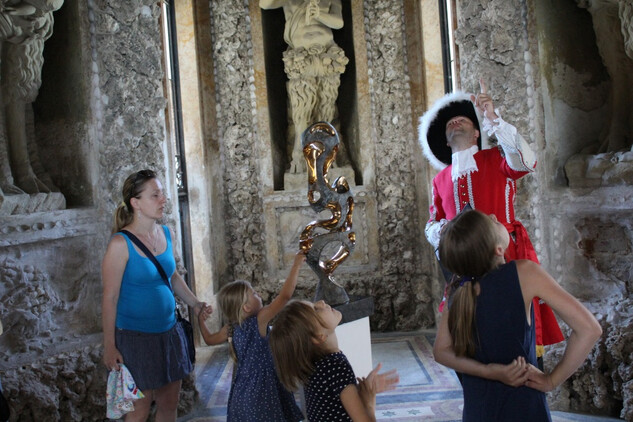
{"x":473,"y":174}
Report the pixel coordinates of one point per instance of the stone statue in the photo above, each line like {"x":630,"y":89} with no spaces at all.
{"x":613,"y":25}
{"x":24,"y":26}
{"x":313,"y":63}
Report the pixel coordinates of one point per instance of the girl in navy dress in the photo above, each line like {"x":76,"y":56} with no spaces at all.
{"x":305,"y":350}
{"x":256,"y":393}
{"x":487,"y":334}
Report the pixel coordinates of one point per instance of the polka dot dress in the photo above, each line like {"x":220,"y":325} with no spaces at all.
{"x":323,"y":391}
{"x":256,"y":393}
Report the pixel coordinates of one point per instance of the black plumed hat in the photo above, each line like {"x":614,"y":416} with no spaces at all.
{"x":432,"y":127}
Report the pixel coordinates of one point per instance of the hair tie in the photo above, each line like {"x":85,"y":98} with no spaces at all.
{"x":466,"y":279}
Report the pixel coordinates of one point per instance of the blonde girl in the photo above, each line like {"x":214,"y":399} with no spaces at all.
{"x":256,"y":393}
{"x":305,"y":350}
{"x":488,"y":334}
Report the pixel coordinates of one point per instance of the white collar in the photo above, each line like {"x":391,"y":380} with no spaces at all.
{"x":463,"y":162}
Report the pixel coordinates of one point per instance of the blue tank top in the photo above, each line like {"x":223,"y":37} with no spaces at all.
{"x":145,"y":302}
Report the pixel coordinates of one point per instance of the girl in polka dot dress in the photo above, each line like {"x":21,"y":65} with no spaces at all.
{"x":256,"y":393}
{"x":305,"y":351}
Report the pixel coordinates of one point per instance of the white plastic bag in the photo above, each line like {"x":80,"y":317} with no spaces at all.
{"x":121,"y":393}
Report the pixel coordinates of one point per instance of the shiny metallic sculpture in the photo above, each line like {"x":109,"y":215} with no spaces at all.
{"x":320,"y":144}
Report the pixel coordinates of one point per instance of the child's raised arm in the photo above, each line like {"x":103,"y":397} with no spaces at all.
{"x":212,"y":338}
{"x":360,"y":401}
{"x":535,"y":281}
{"x":268,"y":312}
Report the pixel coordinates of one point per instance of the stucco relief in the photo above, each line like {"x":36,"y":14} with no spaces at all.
{"x":28,"y":305}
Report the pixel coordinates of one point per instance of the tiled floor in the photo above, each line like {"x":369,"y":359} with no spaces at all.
{"x":426,"y":392}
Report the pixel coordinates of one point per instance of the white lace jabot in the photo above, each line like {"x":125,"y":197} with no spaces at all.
{"x":463,"y":162}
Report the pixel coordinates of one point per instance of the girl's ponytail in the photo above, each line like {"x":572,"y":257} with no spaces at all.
{"x":467,"y":246}
{"x":231,"y":346}
{"x":461,"y":318}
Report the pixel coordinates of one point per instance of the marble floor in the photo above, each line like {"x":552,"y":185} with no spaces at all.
{"x":426,"y":392}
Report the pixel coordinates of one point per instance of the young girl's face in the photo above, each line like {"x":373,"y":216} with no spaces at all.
{"x":253,"y":302}
{"x":330,"y":316}
{"x":502,"y":232}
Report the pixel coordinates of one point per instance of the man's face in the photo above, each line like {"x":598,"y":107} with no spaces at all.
{"x":461,"y":133}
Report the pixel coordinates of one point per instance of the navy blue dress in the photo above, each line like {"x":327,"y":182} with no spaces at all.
{"x":504,"y":334}
{"x":256,"y":393}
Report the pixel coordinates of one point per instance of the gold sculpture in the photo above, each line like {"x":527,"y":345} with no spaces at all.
{"x":320,"y":144}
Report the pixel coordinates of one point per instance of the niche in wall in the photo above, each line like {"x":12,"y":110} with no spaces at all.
{"x":585,"y":70}
{"x":273,"y":22}
{"x":62,"y":110}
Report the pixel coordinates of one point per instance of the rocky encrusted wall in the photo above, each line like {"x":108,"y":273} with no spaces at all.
{"x":235,"y":114}
{"x":492,"y":42}
{"x":50,"y":290}
{"x":582,"y":235}
{"x":404,"y":287}
{"x":129,"y":99}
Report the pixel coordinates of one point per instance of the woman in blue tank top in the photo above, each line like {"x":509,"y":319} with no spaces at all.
{"x":487,"y":334}
{"x":139,"y":325}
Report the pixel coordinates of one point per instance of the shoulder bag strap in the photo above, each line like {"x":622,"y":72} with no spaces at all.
{"x":148,"y":254}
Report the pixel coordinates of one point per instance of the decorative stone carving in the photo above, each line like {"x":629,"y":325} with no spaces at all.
{"x":24,"y":27}
{"x":313,"y":63}
{"x":47,"y":226}
{"x":27,"y":307}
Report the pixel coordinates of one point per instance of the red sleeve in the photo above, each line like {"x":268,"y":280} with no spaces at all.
{"x":436,"y":212}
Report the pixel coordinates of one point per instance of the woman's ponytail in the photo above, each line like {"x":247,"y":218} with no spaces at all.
{"x":122,"y":217}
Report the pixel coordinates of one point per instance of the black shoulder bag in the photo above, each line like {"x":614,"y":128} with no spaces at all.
{"x":184,"y":324}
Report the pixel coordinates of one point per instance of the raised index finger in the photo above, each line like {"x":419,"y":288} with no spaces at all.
{"x":482,"y":86}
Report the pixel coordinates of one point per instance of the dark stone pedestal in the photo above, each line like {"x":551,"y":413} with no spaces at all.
{"x":358,"y":307}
